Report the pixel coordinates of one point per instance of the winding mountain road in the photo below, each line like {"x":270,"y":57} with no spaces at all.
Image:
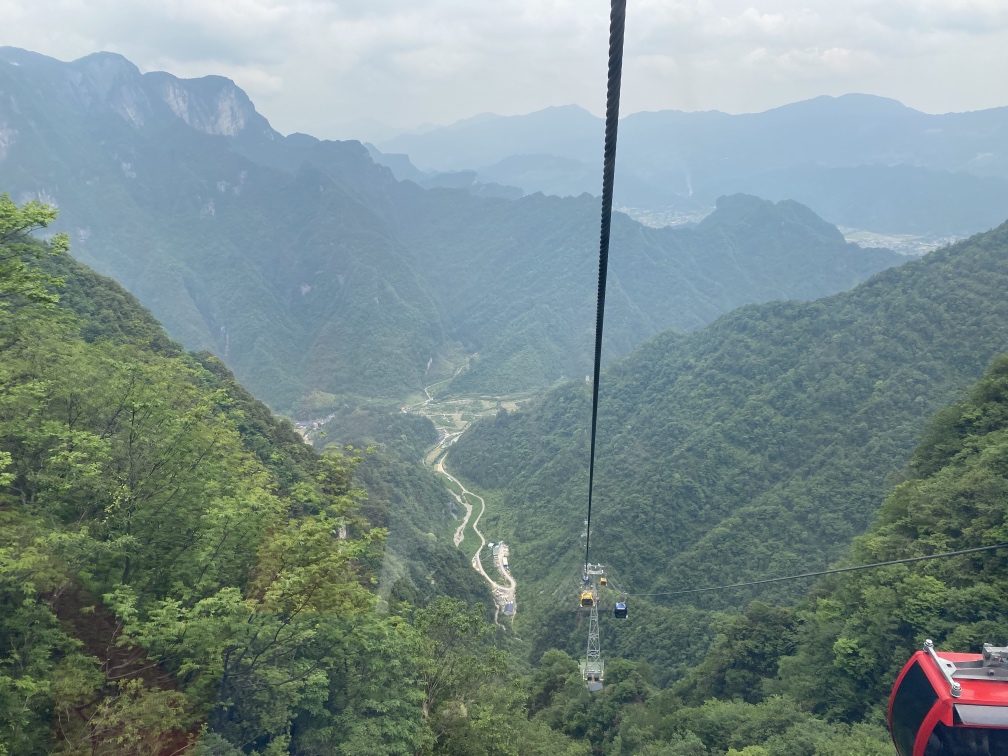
{"x":503,"y":594}
{"x":460,"y":530}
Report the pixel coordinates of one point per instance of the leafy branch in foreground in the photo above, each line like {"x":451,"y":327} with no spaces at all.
{"x":20,"y":282}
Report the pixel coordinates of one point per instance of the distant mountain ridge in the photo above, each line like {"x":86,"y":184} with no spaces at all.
{"x":805,"y":151}
{"x":566,"y":131}
{"x":313,"y":272}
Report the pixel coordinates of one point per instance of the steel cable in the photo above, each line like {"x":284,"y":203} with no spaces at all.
{"x":617,"y":17}
{"x":834,"y":571}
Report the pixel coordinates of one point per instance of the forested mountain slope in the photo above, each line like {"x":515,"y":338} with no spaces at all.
{"x":172,"y":554}
{"x":865,"y":626}
{"x":517,"y":279}
{"x":279,"y":271}
{"x":814,"y":678}
{"x":171,"y":562}
{"x":837,"y":653}
{"x":759,"y":445}
{"x":309,"y":269}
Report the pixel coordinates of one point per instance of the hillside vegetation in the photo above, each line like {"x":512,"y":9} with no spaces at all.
{"x":178,"y":569}
{"x":321,"y":280}
{"x":813,"y":679}
{"x":760,"y":445}
{"x":517,"y":278}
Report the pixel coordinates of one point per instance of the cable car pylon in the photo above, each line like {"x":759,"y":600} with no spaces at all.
{"x":593,"y":667}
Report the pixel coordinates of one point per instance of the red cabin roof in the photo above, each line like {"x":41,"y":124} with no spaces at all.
{"x":950,"y":703}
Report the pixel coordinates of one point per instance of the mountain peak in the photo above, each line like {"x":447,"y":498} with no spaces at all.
{"x":105,"y":59}
{"x":109,"y":81}
{"x":211,"y":104}
{"x":851,"y":105}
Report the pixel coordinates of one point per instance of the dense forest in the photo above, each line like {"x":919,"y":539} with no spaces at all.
{"x":815,"y":678}
{"x":756,"y":447}
{"x":178,"y":567}
{"x":759,"y":445}
{"x":179,"y":570}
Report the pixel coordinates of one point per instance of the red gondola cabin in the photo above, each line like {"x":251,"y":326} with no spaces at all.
{"x":951,"y":704}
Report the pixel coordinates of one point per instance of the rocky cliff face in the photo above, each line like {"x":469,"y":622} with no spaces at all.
{"x":106,"y":81}
{"x":7,"y":136}
{"x":213,"y":104}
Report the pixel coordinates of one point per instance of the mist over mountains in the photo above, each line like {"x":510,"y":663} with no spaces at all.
{"x":860,"y":161}
{"x":313,"y":272}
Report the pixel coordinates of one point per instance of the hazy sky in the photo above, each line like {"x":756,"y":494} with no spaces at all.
{"x":318,"y":66}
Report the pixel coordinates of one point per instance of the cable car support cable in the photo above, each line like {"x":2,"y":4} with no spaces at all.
{"x":836,"y":570}
{"x":617,"y":18}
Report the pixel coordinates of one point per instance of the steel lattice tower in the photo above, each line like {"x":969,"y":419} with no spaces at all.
{"x":594,"y":655}
{"x":593,"y":667}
